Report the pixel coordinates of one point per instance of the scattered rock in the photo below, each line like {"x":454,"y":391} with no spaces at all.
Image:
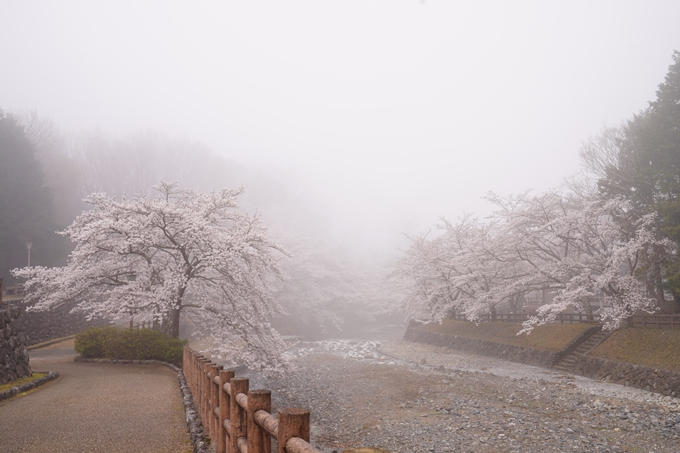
{"x":447,"y":404}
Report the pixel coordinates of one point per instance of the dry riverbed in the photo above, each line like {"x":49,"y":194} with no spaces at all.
{"x":407,"y":397}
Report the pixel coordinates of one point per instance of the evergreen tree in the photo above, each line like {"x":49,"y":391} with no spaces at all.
{"x":661,"y":143}
{"x":25,"y":204}
{"x":644,"y":168}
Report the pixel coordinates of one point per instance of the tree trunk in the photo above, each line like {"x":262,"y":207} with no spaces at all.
{"x":587,"y":306}
{"x":175,"y":322}
{"x":171,"y":323}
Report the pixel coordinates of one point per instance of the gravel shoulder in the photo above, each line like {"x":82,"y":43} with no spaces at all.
{"x":410,"y":397}
{"x":95,"y":407}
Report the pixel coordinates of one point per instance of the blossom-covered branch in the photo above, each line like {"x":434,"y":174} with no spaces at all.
{"x":180,"y":253}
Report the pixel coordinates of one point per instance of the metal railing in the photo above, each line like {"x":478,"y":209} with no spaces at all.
{"x":238,"y":419}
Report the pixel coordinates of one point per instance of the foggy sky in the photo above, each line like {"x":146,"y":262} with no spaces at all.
{"x":394,"y":111}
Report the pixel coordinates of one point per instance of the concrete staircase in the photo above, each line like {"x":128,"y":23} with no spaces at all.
{"x":568,"y":361}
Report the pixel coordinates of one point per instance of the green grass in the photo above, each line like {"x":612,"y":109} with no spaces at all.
{"x":24,"y":380}
{"x":116,"y":343}
{"x":549,"y":337}
{"x":656,"y":348}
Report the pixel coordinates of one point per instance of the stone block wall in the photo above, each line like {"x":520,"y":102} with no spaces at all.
{"x":520,"y":354}
{"x":666,"y":382}
{"x":13,"y":350}
{"x":55,"y":323}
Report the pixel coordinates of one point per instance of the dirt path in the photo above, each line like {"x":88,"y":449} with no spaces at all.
{"x":95,"y":407}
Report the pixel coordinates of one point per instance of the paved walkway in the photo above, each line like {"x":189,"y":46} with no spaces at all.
{"x":95,"y":408}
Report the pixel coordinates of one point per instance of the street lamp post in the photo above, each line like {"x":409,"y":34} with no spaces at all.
{"x":28,"y":247}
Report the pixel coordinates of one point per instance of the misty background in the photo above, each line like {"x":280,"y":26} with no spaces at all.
{"x":349,"y":123}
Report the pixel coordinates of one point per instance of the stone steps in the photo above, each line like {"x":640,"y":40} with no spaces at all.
{"x":567,"y":363}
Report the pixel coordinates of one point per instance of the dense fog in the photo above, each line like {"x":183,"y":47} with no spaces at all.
{"x":350,"y":125}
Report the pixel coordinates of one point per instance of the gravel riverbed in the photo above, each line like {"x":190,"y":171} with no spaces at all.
{"x":410,"y":397}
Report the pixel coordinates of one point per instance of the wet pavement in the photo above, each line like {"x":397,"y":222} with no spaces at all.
{"x":95,"y":407}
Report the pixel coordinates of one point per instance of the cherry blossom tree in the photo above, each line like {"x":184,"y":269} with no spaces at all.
{"x":181,"y":253}
{"x":465,"y":268}
{"x":577,"y":247}
{"x":572,"y":244}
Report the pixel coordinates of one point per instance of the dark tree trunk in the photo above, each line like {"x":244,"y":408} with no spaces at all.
{"x":587,"y":306}
{"x":171,"y":323}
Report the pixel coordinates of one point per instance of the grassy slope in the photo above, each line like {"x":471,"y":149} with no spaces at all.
{"x":552,"y":337}
{"x":647,"y":347}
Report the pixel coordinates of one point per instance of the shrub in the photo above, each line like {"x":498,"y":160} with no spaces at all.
{"x":116,"y":343}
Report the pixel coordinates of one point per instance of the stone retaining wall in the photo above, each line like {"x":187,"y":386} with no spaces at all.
{"x":520,"y":354}
{"x":13,"y":350}
{"x":56,"y":323}
{"x":20,"y":329}
{"x":665,"y":382}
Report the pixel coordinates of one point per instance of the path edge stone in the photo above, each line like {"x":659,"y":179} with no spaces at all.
{"x":14,"y":391}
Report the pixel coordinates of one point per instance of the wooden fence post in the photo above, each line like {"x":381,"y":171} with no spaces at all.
{"x":202,"y":387}
{"x":184,"y":363}
{"x":207,"y":419}
{"x":292,"y":423}
{"x":197,"y":395}
{"x":207,"y":398}
{"x":199,"y":381}
{"x":194,"y":374}
{"x":215,"y":401}
{"x":237,"y":414}
{"x":225,"y":401}
{"x":197,"y":367}
{"x":259,"y":440}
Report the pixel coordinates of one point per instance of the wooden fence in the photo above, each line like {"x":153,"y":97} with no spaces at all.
{"x":644,"y":321}
{"x":239,"y":420}
{"x":562,"y":318}
{"x":655,"y":321}
{"x":16,"y":290}
{"x":138,"y":326}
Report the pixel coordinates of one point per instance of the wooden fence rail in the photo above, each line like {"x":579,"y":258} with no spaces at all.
{"x":17,"y":290}
{"x":142,"y":325}
{"x":655,"y":321}
{"x":644,"y":321}
{"x":239,"y":420}
{"x":562,"y":318}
